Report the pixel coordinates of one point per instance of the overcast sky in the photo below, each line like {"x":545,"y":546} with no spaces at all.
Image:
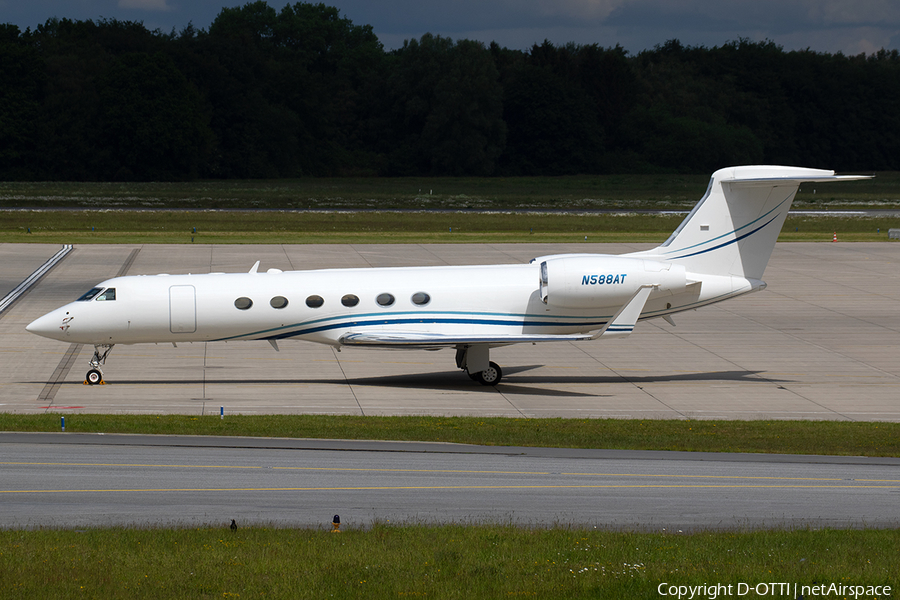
{"x":848,"y":26}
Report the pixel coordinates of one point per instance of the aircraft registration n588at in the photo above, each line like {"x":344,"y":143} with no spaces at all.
{"x":718,"y":252}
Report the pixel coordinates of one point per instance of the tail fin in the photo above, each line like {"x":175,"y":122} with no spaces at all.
{"x":732,"y":230}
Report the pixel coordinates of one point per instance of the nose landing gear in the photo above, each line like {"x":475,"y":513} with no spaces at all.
{"x":95,"y":376}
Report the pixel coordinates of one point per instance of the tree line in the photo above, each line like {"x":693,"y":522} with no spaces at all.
{"x":302,"y":91}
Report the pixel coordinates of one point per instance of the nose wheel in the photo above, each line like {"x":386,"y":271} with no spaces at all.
{"x":95,"y":376}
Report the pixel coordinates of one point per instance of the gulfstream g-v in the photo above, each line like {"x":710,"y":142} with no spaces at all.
{"x":719,"y":251}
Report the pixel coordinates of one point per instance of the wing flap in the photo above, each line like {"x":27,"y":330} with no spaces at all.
{"x":410,"y":339}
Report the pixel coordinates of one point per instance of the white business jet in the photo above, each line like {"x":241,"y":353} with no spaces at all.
{"x":718,"y":252}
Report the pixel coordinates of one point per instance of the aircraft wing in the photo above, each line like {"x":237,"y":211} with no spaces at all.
{"x":408,"y":339}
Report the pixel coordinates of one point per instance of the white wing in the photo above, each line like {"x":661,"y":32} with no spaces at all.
{"x":410,"y":339}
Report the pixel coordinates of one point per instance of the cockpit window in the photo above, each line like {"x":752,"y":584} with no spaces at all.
{"x":90,"y":295}
{"x":108,"y":294}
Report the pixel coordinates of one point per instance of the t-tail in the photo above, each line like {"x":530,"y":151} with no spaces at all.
{"x":733,"y":229}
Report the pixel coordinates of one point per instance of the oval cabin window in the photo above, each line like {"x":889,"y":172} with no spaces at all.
{"x":315,"y":301}
{"x":421,"y":298}
{"x":278,"y":302}
{"x":384,"y":299}
{"x":350,"y":300}
{"x":243,"y":303}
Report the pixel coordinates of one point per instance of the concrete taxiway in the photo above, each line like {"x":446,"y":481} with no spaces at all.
{"x":822,"y":342}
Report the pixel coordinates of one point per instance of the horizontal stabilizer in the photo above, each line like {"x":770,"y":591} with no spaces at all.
{"x":793,"y":180}
{"x":408,"y":339}
{"x":622,"y":323}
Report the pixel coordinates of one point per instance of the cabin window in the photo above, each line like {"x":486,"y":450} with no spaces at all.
{"x":384,"y":299}
{"x":315,"y":301}
{"x":350,"y":300}
{"x":243,"y":303}
{"x":108,"y":294}
{"x":278,"y":302}
{"x":90,"y":294}
{"x":421,"y":298}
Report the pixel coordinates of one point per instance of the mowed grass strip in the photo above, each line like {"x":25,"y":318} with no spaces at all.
{"x":423,"y":561}
{"x":405,"y":193}
{"x":577,"y":192}
{"x":782,"y":437}
{"x":279,"y":227}
{"x":319,"y":227}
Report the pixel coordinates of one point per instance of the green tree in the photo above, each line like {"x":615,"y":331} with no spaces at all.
{"x":75,"y":55}
{"x":304,"y":91}
{"x":22,"y":76}
{"x":151,"y":119}
{"x":288,"y":90}
{"x":553,"y":103}
{"x":446,"y":105}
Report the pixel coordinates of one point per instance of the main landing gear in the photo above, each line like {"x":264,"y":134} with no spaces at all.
{"x":490,"y":376}
{"x":95,"y":376}
{"x":475,"y":361}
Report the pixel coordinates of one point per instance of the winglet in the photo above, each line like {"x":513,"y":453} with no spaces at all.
{"x":273,"y":343}
{"x":622,"y":323}
{"x":254,"y":268}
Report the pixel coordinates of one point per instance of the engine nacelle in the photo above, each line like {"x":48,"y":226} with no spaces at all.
{"x":604,"y":281}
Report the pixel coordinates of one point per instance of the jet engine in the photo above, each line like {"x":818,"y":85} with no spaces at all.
{"x":593,"y":281}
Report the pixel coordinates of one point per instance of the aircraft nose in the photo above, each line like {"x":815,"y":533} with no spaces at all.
{"x":53,"y":325}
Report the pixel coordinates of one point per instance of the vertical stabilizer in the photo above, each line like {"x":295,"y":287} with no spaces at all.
{"x":733,"y":229}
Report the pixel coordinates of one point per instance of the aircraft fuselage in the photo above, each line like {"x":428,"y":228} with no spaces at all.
{"x":324,"y":305}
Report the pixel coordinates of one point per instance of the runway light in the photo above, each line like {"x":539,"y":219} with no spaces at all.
{"x":221,"y":412}
{"x":62,"y":422}
{"x":336,"y":524}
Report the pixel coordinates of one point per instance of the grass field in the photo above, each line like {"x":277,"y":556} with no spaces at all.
{"x":400,"y":210}
{"x":582,"y":192}
{"x":445,"y":193}
{"x":785,"y":437}
{"x":419,"y":561}
{"x":214,"y":227}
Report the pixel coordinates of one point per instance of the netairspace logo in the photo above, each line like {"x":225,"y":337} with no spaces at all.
{"x":773,"y":589}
